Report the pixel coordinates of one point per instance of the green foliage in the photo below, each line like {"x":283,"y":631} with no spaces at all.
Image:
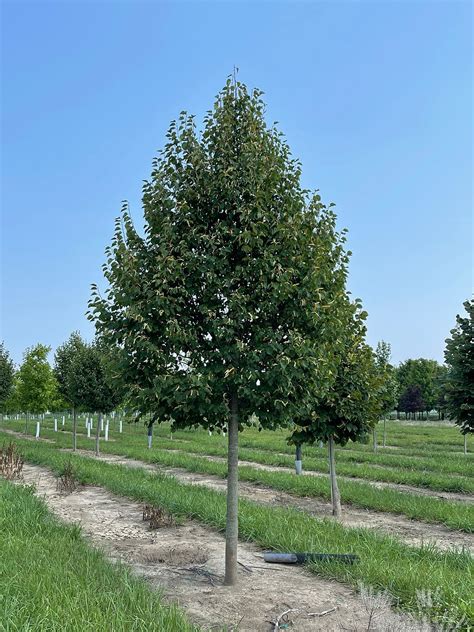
{"x":7,"y":372}
{"x":63,"y":359}
{"x":425,"y":375}
{"x":353,"y":404}
{"x":90,"y":381}
{"x":57,"y":402}
{"x":459,"y":385}
{"x":12,"y":403}
{"x":388,"y":393}
{"x":35,"y":380}
{"x":234,"y":287}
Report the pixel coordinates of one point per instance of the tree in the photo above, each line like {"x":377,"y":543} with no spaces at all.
{"x":389,"y":387}
{"x":219,"y":311}
{"x":91,"y":384}
{"x":63,"y":359}
{"x":35,"y":381}
{"x":12,"y":403}
{"x":351,"y":408}
{"x":459,"y":356}
{"x":422,"y":373}
{"x":411,"y":400}
{"x":7,"y":372}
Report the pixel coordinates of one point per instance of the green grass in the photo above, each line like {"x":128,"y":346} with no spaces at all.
{"x":51,"y":580}
{"x":452,"y":514}
{"x":386,"y":563}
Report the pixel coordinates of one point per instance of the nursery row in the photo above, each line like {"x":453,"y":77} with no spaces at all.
{"x":385,"y":563}
{"x":45,"y":562}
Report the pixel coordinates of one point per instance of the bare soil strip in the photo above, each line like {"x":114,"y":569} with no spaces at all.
{"x":421,"y":491}
{"x":186,"y":562}
{"x":412,"y":532}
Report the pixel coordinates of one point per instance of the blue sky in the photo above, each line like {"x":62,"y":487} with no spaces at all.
{"x":375,"y":98}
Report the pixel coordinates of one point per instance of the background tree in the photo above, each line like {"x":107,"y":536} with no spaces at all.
{"x":352,"y":406}
{"x":7,"y":371}
{"x":36,"y":381}
{"x":411,"y":400}
{"x":219,"y":311}
{"x":63,"y":359}
{"x":91,"y":383}
{"x":388,"y":394}
{"x":12,"y":403}
{"x":459,"y":356}
{"x":424,"y":374}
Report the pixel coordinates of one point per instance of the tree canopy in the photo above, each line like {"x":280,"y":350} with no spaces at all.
{"x":35,"y":380}
{"x":7,"y":372}
{"x":459,"y":383}
{"x":388,"y":394}
{"x":63,"y":359}
{"x":226,"y":292}
{"x":421,"y":373}
{"x":90,"y":380}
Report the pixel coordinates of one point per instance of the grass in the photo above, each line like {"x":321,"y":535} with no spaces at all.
{"x":386,"y":563}
{"x":51,"y":580}
{"x":452,"y":514}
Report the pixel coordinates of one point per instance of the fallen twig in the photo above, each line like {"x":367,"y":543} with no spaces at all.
{"x":321,"y":614}
{"x":247,"y":568}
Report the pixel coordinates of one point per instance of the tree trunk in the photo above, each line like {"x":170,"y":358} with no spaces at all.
{"x":335,"y":496}
{"x":74,"y":429}
{"x":26,"y":423}
{"x":232,"y":522}
{"x":384,"y":431}
{"x":97,"y":434}
{"x":465,"y":444}
{"x":374,"y":435}
{"x":150,"y":435}
{"x":298,"y":459}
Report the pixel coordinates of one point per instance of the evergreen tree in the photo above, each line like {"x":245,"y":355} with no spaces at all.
{"x":219,"y":311}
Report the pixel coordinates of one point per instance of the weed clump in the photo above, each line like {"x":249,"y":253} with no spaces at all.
{"x":11,"y":461}
{"x":158,"y":517}
{"x":67,"y":480}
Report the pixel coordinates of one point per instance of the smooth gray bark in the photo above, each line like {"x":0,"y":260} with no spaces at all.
{"x":384,"y":431}
{"x":335,"y":496}
{"x":150,"y":435}
{"x":232,"y":522}
{"x":465,"y":444}
{"x":97,"y":435}
{"x":374,"y":435}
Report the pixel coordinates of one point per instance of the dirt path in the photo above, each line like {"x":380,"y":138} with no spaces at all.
{"x":273,"y":468}
{"x":412,"y":532}
{"x":421,"y":491}
{"x":187,"y":563}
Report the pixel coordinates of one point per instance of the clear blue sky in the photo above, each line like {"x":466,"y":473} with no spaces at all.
{"x":375,"y":98}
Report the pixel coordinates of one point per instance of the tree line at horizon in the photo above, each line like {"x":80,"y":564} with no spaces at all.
{"x":233,"y":306}
{"x":416,"y":387}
